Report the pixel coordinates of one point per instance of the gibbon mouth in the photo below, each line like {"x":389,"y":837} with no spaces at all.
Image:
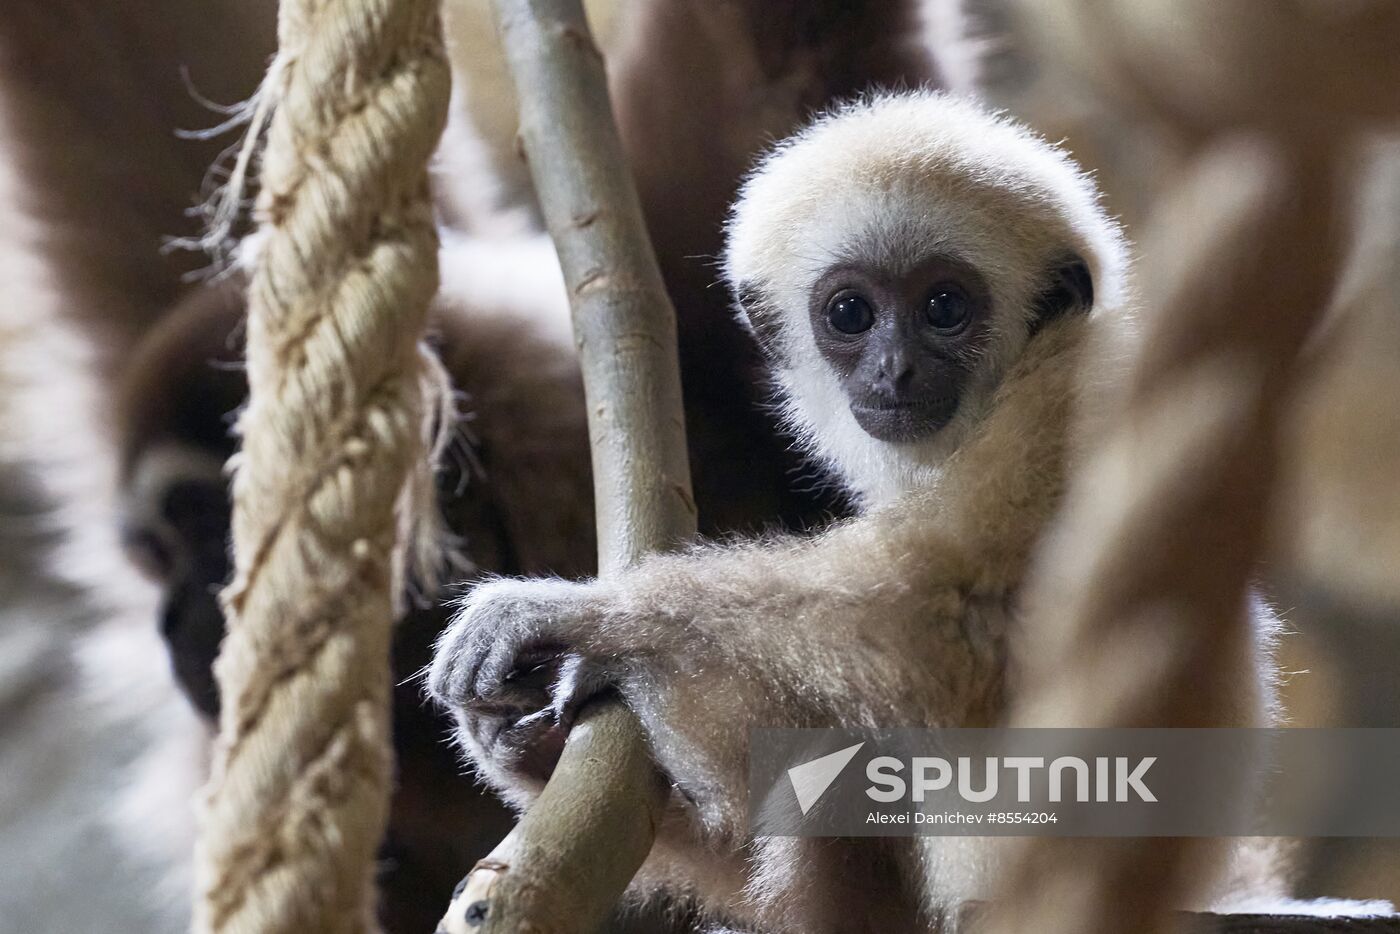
{"x":903,"y":421}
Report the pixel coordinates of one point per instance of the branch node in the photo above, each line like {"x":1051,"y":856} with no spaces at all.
{"x":595,"y":280}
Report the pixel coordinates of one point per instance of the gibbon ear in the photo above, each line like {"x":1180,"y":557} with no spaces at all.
{"x":1071,"y":288}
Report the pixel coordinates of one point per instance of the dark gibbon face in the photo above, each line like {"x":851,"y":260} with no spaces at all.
{"x":904,"y":346}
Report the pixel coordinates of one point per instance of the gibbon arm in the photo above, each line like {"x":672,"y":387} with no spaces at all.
{"x":893,"y":618}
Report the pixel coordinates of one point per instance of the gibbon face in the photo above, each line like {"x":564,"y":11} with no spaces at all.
{"x":902,"y":344}
{"x":894,"y":260}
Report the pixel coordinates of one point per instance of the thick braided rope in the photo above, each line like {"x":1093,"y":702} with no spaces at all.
{"x":332,"y":436}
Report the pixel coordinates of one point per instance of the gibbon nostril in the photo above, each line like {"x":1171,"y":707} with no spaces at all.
{"x":893,"y":375}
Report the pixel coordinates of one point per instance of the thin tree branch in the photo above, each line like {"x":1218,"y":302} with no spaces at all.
{"x":564,"y":867}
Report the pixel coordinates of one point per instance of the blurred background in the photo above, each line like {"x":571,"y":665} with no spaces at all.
{"x":88,"y":710}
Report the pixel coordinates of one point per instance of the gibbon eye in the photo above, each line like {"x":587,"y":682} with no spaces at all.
{"x":850,"y":314}
{"x":948,"y":309}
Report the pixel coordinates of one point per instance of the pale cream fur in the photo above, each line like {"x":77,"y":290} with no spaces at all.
{"x":904,"y":176}
{"x":901,"y":616}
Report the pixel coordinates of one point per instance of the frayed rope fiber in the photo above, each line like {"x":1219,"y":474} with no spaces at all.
{"x":334,"y":470}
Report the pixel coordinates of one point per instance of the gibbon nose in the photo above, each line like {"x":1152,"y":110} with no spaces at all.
{"x":893,"y":374}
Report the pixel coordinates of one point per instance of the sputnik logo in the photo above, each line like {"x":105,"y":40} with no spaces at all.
{"x":811,"y":779}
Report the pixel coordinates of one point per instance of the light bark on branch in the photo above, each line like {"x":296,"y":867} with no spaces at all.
{"x":564,"y":867}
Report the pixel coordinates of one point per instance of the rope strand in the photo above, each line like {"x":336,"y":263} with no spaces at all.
{"x":333,"y":467}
